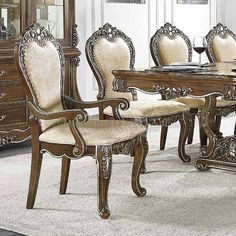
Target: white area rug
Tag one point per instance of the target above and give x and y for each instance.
(179, 201)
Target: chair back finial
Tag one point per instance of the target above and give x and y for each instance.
(160, 45)
(106, 50)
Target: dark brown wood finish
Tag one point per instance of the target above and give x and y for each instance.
(103, 154)
(172, 32)
(12, 94)
(220, 152)
(110, 33)
(221, 31)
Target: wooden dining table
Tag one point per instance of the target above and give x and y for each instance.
(218, 80)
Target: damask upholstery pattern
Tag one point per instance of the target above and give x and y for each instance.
(104, 52)
(94, 132)
(44, 80)
(173, 50)
(141, 109)
(224, 49)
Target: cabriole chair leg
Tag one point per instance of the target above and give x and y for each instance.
(138, 160)
(184, 128)
(164, 131)
(65, 169)
(36, 163)
(104, 161)
(145, 152)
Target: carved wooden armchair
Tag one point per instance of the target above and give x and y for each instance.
(108, 49)
(170, 45)
(68, 133)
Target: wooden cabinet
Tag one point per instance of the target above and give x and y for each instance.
(58, 16)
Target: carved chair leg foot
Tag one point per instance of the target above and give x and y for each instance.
(201, 165)
(138, 160)
(104, 161)
(65, 169)
(145, 152)
(184, 128)
(36, 164)
(164, 131)
(191, 129)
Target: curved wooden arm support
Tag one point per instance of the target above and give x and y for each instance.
(73, 116)
(77, 114)
(115, 103)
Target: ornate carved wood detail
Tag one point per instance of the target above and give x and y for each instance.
(221, 31)
(75, 36)
(164, 120)
(225, 111)
(172, 92)
(109, 33)
(125, 148)
(106, 160)
(230, 92)
(13, 136)
(120, 85)
(226, 149)
(7, 140)
(171, 32)
(41, 36)
(76, 61)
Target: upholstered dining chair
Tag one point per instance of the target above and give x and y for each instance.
(170, 45)
(68, 133)
(108, 49)
(221, 44)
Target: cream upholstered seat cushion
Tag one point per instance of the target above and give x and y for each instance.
(110, 56)
(94, 132)
(44, 71)
(224, 49)
(142, 109)
(173, 50)
(191, 101)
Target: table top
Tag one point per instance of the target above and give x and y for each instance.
(215, 79)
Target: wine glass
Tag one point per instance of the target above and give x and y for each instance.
(199, 46)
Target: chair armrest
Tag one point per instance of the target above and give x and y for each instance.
(121, 103)
(73, 114)
(115, 103)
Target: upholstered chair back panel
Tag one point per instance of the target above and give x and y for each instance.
(224, 49)
(173, 50)
(44, 73)
(111, 55)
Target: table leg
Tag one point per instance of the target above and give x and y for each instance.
(220, 152)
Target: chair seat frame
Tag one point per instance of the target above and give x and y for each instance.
(73, 112)
(111, 33)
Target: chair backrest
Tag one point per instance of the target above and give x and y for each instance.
(40, 62)
(106, 50)
(169, 45)
(221, 44)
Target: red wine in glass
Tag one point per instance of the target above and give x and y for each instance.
(199, 46)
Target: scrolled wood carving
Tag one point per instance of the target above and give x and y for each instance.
(106, 160)
(7, 140)
(226, 149)
(75, 36)
(230, 92)
(172, 92)
(164, 120)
